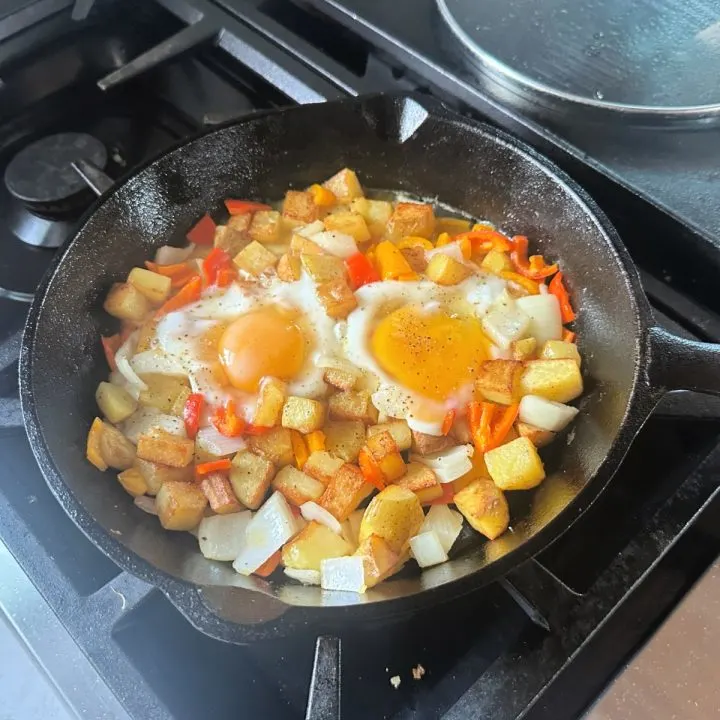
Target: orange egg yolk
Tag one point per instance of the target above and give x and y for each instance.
(259, 344)
(432, 354)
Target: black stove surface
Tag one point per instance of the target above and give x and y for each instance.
(542, 644)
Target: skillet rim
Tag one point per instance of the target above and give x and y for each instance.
(186, 595)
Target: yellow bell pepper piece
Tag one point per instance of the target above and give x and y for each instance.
(530, 285)
(391, 263)
(414, 241)
(315, 441)
(299, 449)
(322, 196)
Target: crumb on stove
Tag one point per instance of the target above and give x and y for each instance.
(395, 681)
(418, 672)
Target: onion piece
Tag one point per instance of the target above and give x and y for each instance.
(506, 321)
(427, 549)
(222, 537)
(545, 317)
(125, 369)
(215, 443)
(307, 231)
(452, 250)
(428, 427)
(312, 511)
(146, 504)
(343, 573)
(335, 243)
(145, 419)
(169, 255)
(546, 414)
(306, 577)
(450, 464)
(445, 523)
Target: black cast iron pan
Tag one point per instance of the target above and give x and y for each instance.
(403, 143)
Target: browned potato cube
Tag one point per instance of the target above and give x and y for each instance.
(133, 482)
(418, 477)
(341, 379)
(313, 544)
(126, 302)
(255, 259)
(348, 223)
(275, 446)
(427, 495)
(229, 239)
(385, 452)
(484, 506)
(162, 390)
(416, 258)
(321, 465)
(344, 438)
(296, 486)
(240, 223)
(445, 270)
(395, 515)
(115, 403)
(346, 490)
(270, 402)
(323, 268)
(411, 219)
(523, 349)
(558, 380)
(162, 447)
(289, 268)
(376, 214)
(353, 405)
(155, 474)
(424, 444)
(539, 438)
(108, 447)
(399, 430)
(498, 381)
(379, 559)
(300, 245)
(515, 465)
(345, 186)
(337, 298)
(220, 494)
(180, 506)
(496, 262)
(265, 227)
(299, 207)
(559, 350)
(250, 478)
(303, 414)
(155, 287)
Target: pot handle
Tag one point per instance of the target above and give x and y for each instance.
(324, 698)
(680, 364)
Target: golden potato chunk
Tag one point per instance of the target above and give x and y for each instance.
(352, 405)
(250, 477)
(115, 403)
(496, 262)
(348, 223)
(321, 465)
(275, 446)
(337, 298)
(344, 185)
(379, 559)
(180, 506)
(341, 379)
(265, 227)
(559, 350)
(241, 223)
(424, 444)
(162, 390)
(427, 495)
(270, 402)
(345, 491)
(394, 514)
(523, 349)
(300, 245)
(255, 259)
(289, 268)
(323, 268)
(411, 219)
(558, 380)
(160, 446)
(385, 453)
(416, 258)
(498, 381)
(399, 430)
(484, 506)
(133, 482)
(376, 214)
(445, 270)
(155, 287)
(515, 465)
(344, 438)
(296, 486)
(126, 302)
(303, 414)
(418, 477)
(232, 240)
(217, 489)
(313, 544)
(156, 474)
(299, 207)
(108, 447)
(539, 438)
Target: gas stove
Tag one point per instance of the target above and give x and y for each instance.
(115, 83)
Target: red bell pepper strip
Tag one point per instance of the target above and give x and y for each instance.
(111, 344)
(448, 421)
(243, 207)
(361, 271)
(213, 466)
(502, 428)
(216, 261)
(370, 470)
(485, 239)
(179, 273)
(270, 565)
(189, 293)
(227, 421)
(203, 232)
(535, 268)
(225, 276)
(191, 413)
(558, 289)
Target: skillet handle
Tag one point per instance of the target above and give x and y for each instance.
(324, 698)
(680, 364)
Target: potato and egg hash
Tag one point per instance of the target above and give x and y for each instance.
(299, 385)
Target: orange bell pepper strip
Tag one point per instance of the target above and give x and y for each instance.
(558, 289)
(214, 263)
(225, 276)
(227, 422)
(535, 268)
(371, 470)
(243, 207)
(315, 441)
(568, 336)
(251, 429)
(524, 282)
(448, 421)
(269, 566)
(502, 427)
(322, 197)
(189, 293)
(111, 344)
(482, 435)
(300, 450)
(203, 232)
(192, 410)
(179, 273)
(213, 466)
(361, 271)
(484, 239)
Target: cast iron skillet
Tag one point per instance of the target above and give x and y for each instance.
(401, 143)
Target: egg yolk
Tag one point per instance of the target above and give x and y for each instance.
(432, 354)
(259, 344)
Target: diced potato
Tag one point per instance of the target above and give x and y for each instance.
(179, 405)
(345, 491)
(155, 474)
(424, 444)
(265, 227)
(296, 486)
(559, 350)
(524, 349)
(341, 379)
(496, 262)
(418, 477)
(255, 259)
(232, 240)
(451, 225)
(180, 506)
(445, 270)
(115, 403)
(505, 322)
(376, 214)
(337, 298)
(155, 287)
(399, 430)
(429, 494)
(289, 268)
(352, 405)
(411, 219)
(515, 465)
(344, 438)
(126, 302)
(146, 335)
(321, 465)
(160, 446)
(323, 268)
(133, 482)
(379, 559)
(348, 223)
(416, 259)
(162, 390)
(219, 492)
(275, 446)
(484, 506)
(299, 207)
(539, 438)
(385, 452)
(250, 477)
(558, 380)
(498, 381)
(241, 223)
(312, 545)
(395, 514)
(108, 447)
(303, 414)
(301, 245)
(270, 402)
(345, 186)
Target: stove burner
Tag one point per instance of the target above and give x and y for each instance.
(42, 177)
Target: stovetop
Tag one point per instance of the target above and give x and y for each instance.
(541, 644)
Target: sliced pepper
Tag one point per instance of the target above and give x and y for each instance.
(179, 273)
(269, 566)
(299, 449)
(535, 268)
(225, 276)
(244, 207)
(524, 282)
(558, 289)
(448, 421)
(192, 410)
(484, 239)
(503, 425)
(217, 261)
(315, 441)
(111, 344)
(213, 466)
(189, 293)
(370, 469)
(482, 435)
(227, 421)
(392, 263)
(361, 271)
(203, 232)
(322, 197)
(568, 336)
(415, 241)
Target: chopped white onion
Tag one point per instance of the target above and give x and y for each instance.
(125, 369)
(313, 511)
(215, 443)
(450, 464)
(545, 317)
(498, 353)
(335, 243)
(169, 255)
(505, 321)
(307, 231)
(427, 549)
(156, 361)
(145, 419)
(306, 577)
(445, 523)
(222, 537)
(428, 427)
(452, 250)
(343, 573)
(146, 504)
(546, 414)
